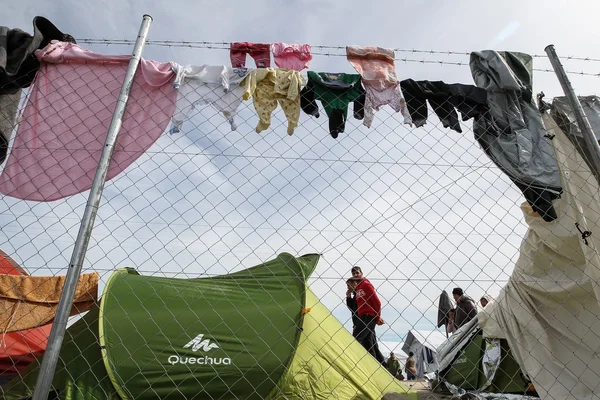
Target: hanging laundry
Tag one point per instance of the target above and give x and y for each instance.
(260, 52)
(215, 85)
(445, 99)
(512, 132)
(336, 91)
(376, 67)
(18, 65)
(65, 122)
(9, 106)
(499, 146)
(269, 86)
(27, 302)
(291, 56)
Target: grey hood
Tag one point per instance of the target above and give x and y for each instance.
(494, 71)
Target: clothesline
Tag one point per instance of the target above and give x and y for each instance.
(225, 46)
(209, 44)
(57, 67)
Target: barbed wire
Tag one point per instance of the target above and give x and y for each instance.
(225, 46)
(398, 50)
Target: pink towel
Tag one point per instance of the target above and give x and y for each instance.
(65, 122)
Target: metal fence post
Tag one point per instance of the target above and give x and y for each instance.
(59, 325)
(582, 121)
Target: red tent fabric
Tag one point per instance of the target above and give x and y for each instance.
(9, 266)
(19, 349)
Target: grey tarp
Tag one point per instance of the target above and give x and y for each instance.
(444, 307)
(448, 350)
(512, 134)
(423, 344)
(562, 113)
(549, 311)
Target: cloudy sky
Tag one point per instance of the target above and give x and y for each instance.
(421, 210)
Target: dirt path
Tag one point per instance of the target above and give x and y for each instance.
(425, 393)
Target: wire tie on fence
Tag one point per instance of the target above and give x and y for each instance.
(584, 234)
(549, 136)
(305, 311)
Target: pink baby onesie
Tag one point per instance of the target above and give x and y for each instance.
(260, 52)
(376, 67)
(291, 56)
(65, 122)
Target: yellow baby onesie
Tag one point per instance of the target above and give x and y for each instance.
(269, 86)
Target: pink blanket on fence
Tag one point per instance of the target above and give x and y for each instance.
(65, 122)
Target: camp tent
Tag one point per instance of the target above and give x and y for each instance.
(468, 362)
(20, 348)
(423, 344)
(259, 333)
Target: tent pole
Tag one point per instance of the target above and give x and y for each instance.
(57, 333)
(582, 121)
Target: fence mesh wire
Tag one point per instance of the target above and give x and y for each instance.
(420, 210)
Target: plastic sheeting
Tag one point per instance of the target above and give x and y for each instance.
(549, 311)
(424, 345)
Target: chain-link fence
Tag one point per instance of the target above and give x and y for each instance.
(166, 306)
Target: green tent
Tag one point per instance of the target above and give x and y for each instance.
(467, 370)
(465, 366)
(259, 333)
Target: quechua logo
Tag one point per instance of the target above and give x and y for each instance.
(200, 343)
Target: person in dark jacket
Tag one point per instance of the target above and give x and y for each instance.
(353, 307)
(369, 314)
(466, 309)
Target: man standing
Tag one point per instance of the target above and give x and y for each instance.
(411, 367)
(369, 313)
(353, 307)
(466, 309)
(393, 365)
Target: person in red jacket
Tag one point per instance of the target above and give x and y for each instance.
(369, 313)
